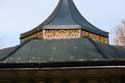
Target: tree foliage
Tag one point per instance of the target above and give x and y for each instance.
(119, 38)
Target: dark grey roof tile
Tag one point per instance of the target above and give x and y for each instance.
(61, 50)
(55, 50)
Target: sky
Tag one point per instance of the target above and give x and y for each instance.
(19, 16)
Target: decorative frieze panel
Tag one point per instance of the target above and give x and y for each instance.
(35, 35)
(95, 37)
(61, 34)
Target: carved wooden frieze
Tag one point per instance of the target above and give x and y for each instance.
(95, 37)
(60, 34)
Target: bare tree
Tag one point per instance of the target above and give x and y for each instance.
(119, 38)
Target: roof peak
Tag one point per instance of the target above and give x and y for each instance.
(66, 13)
(62, 15)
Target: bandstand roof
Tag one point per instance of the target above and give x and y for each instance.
(74, 52)
(67, 14)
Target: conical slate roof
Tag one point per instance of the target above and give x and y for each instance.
(66, 13)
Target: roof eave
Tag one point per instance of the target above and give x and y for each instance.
(84, 64)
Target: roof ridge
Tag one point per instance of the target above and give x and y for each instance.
(96, 46)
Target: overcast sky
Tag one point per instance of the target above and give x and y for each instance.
(18, 16)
